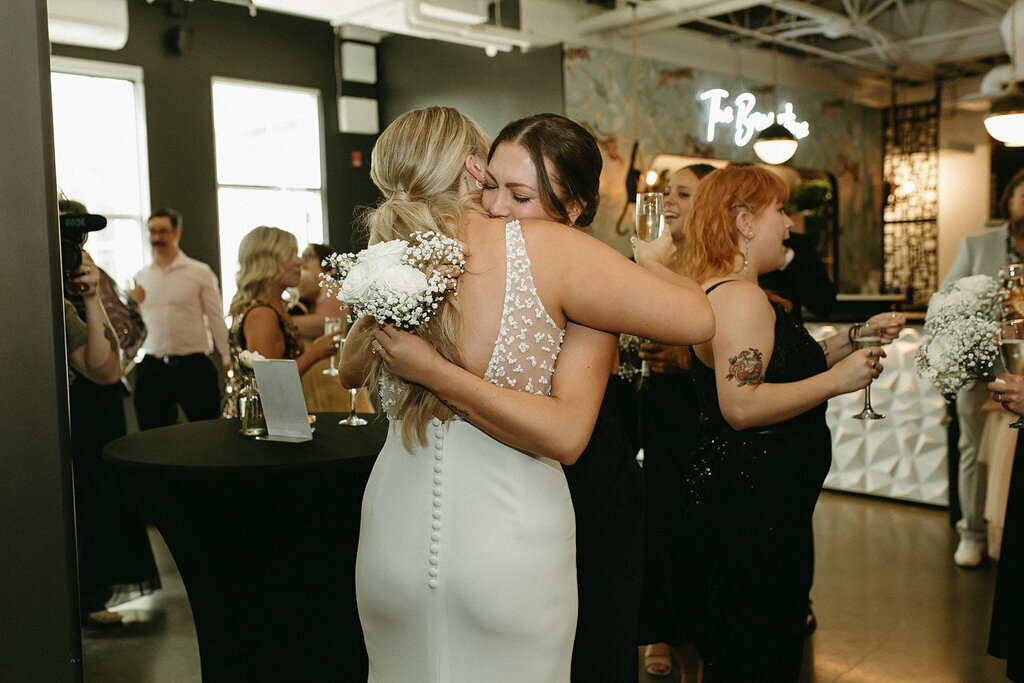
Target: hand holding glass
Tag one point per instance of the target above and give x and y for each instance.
(866, 335)
(650, 215)
(352, 419)
(1011, 350)
(333, 327)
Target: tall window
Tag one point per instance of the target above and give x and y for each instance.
(99, 136)
(269, 165)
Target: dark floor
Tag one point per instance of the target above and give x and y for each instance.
(891, 606)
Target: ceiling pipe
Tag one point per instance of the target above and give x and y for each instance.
(651, 11)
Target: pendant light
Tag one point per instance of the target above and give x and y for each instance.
(775, 144)
(1005, 118)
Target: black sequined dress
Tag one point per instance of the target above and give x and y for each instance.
(749, 500)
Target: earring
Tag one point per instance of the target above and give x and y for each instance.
(746, 254)
(479, 185)
(750, 235)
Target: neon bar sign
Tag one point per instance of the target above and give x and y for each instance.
(748, 121)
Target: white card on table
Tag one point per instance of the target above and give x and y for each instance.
(283, 403)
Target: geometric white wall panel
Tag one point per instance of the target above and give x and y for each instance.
(902, 456)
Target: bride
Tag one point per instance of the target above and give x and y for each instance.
(466, 562)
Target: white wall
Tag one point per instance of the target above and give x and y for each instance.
(964, 180)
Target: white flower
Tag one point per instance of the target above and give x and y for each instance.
(938, 349)
(245, 358)
(359, 280)
(403, 280)
(390, 252)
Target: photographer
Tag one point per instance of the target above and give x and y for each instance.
(93, 351)
(115, 562)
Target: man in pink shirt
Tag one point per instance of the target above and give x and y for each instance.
(181, 305)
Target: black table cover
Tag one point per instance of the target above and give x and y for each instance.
(264, 535)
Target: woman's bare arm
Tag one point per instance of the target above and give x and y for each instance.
(558, 426)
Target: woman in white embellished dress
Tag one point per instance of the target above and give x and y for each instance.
(466, 562)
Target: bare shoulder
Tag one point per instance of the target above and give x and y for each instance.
(733, 296)
(261, 315)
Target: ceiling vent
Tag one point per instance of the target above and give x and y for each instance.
(90, 23)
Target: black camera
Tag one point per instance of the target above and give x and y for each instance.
(73, 227)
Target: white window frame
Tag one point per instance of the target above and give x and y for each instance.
(225, 276)
(127, 72)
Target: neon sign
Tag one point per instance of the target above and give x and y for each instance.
(747, 121)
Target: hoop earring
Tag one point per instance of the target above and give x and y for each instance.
(479, 185)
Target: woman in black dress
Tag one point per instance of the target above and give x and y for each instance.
(668, 428)
(765, 449)
(548, 166)
(1006, 638)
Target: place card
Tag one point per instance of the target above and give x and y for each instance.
(283, 403)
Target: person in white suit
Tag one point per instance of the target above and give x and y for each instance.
(983, 254)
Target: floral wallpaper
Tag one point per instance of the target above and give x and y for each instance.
(845, 140)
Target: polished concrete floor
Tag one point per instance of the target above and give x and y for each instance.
(891, 606)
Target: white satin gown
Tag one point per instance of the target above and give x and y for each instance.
(466, 568)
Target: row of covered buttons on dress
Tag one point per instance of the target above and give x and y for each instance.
(435, 534)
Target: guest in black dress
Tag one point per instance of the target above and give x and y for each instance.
(115, 561)
(765, 449)
(1006, 638)
(668, 428)
(548, 166)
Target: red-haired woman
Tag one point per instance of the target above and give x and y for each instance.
(765, 449)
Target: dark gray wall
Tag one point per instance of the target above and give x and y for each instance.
(226, 41)
(38, 593)
(493, 90)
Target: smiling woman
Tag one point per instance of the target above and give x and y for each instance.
(269, 263)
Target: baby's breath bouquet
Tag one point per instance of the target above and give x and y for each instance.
(396, 282)
(960, 333)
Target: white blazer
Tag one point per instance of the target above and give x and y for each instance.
(982, 254)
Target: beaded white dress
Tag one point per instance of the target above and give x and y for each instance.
(466, 568)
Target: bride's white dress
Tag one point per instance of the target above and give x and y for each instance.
(466, 569)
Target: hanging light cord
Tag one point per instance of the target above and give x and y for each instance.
(775, 65)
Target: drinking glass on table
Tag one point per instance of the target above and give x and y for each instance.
(650, 215)
(352, 419)
(1011, 351)
(333, 327)
(866, 335)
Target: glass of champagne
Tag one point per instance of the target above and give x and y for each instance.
(1011, 350)
(333, 327)
(866, 335)
(650, 215)
(352, 419)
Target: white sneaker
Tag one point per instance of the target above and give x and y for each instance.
(969, 553)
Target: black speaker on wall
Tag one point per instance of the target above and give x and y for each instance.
(178, 39)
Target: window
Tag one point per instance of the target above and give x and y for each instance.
(269, 165)
(99, 136)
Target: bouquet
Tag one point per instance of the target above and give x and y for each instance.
(960, 333)
(396, 282)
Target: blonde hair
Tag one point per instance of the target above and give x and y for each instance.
(710, 238)
(260, 256)
(418, 163)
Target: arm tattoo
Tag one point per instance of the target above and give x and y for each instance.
(463, 413)
(746, 368)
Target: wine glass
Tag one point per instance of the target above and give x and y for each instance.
(352, 419)
(1011, 350)
(650, 215)
(333, 327)
(866, 335)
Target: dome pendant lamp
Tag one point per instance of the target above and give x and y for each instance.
(775, 144)
(1005, 118)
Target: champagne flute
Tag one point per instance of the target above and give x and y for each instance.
(1011, 350)
(866, 335)
(352, 419)
(332, 327)
(650, 215)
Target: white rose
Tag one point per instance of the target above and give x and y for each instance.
(403, 280)
(359, 281)
(975, 284)
(389, 252)
(935, 304)
(245, 358)
(937, 350)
